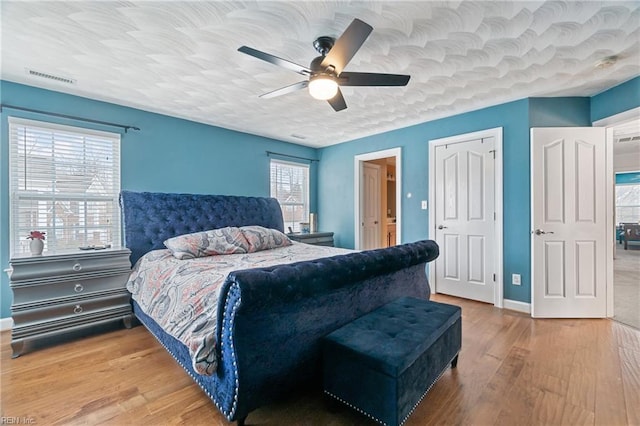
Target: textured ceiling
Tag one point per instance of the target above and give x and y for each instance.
(181, 58)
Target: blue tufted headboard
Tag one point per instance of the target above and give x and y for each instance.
(150, 218)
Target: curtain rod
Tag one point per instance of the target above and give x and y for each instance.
(71, 117)
(291, 156)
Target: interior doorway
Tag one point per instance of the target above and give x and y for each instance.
(377, 203)
(623, 136)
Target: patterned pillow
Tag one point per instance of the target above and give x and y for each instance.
(260, 238)
(229, 240)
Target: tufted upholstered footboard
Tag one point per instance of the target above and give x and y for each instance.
(270, 320)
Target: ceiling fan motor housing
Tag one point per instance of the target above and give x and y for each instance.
(324, 44)
(317, 68)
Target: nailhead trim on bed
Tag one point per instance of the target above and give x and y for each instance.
(228, 414)
(187, 371)
(233, 353)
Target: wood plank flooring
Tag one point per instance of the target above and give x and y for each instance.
(513, 370)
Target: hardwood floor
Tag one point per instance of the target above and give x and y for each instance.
(513, 370)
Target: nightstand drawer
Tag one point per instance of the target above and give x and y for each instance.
(32, 268)
(319, 241)
(315, 238)
(27, 314)
(49, 290)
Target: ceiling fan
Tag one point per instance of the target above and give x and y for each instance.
(325, 71)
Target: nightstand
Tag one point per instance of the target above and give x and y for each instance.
(67, 291)
(315, 238)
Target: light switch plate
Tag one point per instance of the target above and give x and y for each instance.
(424, 204)
(515, 279)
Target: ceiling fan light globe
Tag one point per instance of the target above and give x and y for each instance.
(323, 87)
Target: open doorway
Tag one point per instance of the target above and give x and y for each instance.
(623, 136)
(378, 178)
(626, 263)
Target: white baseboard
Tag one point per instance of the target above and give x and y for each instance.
(515, 305)
(6, 324)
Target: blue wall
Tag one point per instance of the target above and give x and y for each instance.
(166, 155)
(175, 155)
(618, 99)
(337, 176)
(516, 118)
(559, 112)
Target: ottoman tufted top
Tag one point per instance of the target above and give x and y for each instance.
(393, 336)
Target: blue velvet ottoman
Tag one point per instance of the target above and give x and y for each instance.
(383, 363)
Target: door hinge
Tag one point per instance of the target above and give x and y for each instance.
(494, 278)
(494, 215)
(493, 151)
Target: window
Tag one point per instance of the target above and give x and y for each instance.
(290, 186)
(628, 203)
(64, 181)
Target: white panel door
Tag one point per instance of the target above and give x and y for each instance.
(465, 225)
(568, 219)
(370, 207)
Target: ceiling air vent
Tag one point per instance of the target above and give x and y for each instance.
(50, 77)
(629, 139)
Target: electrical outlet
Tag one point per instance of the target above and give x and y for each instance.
(424, 204)
(515, 279)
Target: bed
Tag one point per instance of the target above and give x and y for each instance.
(268, 319)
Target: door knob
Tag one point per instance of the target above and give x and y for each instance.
(441, 227)
(541, 232)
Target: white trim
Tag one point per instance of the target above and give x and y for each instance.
(6, 324)
(357, 172)
(610, 122)
(610, 189)
(516, 305)
(496, 133)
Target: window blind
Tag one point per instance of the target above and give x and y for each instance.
(290, 186)
(64, 181)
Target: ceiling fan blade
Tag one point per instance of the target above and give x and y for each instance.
(284, 90)
(347, 45)
(275, 60)
(372, 79)
(337, 102)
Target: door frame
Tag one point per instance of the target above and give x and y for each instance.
(377, 225)
(611, 122)
(496, 133)
(357, 171)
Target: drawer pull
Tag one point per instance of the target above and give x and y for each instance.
(78, 288)
(77, 267)
(77, 309)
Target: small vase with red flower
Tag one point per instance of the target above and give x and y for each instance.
(36, 245)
